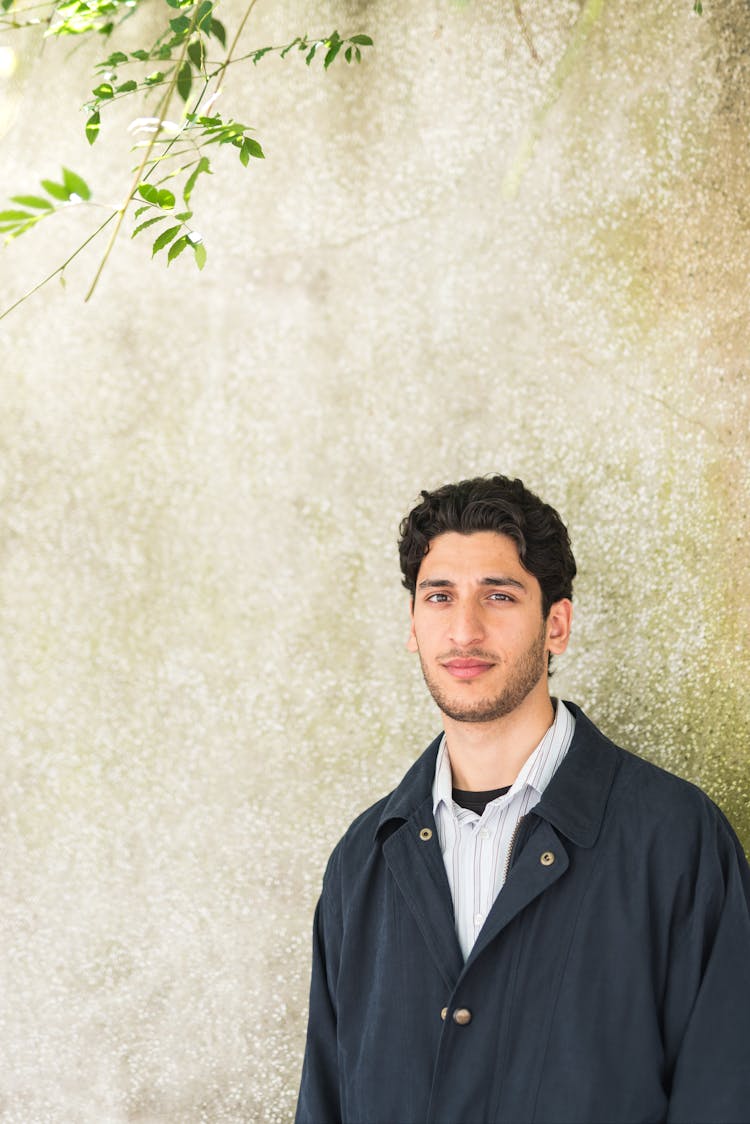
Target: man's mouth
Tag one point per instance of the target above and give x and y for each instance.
(466, 668)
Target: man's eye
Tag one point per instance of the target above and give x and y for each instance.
(500, 597)
(438, 597)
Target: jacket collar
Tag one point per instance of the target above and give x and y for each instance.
(414, 788)
(574, 801)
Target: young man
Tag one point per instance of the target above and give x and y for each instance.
(535, 925)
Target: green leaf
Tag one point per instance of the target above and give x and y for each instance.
(331, 53)
(152, 79)
(184, 216)
(148, 222)
(180, 24)
(230, 133)
(177, 248)
(7, 4)
(76, 185)
(56, 190)
(200, 254)
(92, 127)
(289, 47)
(203, 16)
(126, 87)
(218, 31)
(164, 239)
(148, 192)
(311, 53)
(14, 217)
(140, 210)
(32, 201)
(203, 165)
(185, 80)
(258, 55)
(348, 54)
(141, 55)
(250, 148)
(113, 60)
(196, 53)
(364, 40)
(15, 231)
(698, 7)
(165, 199)
(104, 90)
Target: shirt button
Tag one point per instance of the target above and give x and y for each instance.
(462, 1016)
(478, 918)
(484, 833)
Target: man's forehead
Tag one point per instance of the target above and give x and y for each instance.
(480, 551)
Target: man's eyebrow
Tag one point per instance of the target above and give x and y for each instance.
(445, 583)
(504, 581)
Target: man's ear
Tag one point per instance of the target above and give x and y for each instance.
(559, 621)
(411, 643)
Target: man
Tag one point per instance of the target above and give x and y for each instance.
(535, 925)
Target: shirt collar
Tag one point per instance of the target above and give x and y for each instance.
(537, 770)
(574, 801)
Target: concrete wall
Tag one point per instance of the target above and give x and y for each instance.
(455, 260)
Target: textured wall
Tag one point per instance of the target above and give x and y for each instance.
(454, 260)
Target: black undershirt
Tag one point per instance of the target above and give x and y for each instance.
(477, 801)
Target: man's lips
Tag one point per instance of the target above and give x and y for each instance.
(466, 669)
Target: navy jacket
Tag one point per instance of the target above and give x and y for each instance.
(610, 982)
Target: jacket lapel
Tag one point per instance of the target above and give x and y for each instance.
(572, 806)
(417, 866)
(541, 862)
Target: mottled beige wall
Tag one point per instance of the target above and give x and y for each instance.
(203, 674)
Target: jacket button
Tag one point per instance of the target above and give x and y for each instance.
(547, 858)
(444, 1014)
(425, 834)
(462, 1016)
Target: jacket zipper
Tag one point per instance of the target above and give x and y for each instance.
(513, 839)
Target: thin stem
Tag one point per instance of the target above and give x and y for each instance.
(60, 268)
(208, 79)
(235, 41)
(160, 115)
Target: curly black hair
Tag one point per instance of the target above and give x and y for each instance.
(493, 503)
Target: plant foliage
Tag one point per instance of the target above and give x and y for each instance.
(175, 82)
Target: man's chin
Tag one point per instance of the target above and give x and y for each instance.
(479, 710)
(488, 712)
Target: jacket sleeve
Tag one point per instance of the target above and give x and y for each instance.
(711, 1077)
(319, 1101)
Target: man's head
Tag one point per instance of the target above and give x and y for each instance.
(490, 571)
(493, 503)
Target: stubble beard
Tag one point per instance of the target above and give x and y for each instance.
(522, 678)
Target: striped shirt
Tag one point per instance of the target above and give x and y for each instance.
(476, 848)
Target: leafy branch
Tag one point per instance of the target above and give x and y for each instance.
(71, 189)
(182, 63)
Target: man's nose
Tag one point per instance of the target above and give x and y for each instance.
(466, 626)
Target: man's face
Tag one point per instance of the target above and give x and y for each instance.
(477, 625)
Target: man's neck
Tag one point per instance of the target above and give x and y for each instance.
(487, 755)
